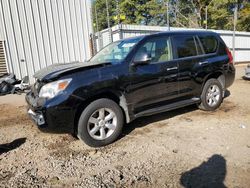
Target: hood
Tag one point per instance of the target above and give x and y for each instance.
(55, 71)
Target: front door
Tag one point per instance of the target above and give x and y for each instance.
(155, 82)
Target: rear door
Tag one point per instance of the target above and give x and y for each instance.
(213, 58)
(188, 54)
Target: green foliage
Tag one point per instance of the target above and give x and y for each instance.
(182, 13)
(221, 14)
(244, 17)
(145, 12)
(99, 7)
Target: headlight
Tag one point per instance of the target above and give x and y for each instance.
(52, 89)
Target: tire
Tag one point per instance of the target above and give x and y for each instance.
(211, 97)
(100, 123)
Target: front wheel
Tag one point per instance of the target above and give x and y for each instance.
(211, 97)
(100, 123)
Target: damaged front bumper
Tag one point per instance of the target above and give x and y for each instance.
(35, 111)
(55, 115)
(38, 118)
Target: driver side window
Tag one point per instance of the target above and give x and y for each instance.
(158, 49)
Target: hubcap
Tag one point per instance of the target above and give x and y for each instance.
(213, 95)
(102, 124)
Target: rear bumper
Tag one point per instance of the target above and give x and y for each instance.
(229, 75)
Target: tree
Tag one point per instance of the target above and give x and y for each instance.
(100, 6)
(183, 13)
(145, 12)
(221, 14)
(244, 17)
(151, 12)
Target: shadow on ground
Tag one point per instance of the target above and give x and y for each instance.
(211, 173)
(4, 148)
(141, 122)
(144, 121)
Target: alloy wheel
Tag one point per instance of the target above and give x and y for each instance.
(213, 95)
(102, 124)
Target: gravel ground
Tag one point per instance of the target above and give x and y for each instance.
(182, 148)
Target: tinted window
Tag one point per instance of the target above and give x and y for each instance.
(198, 46)
(158, 49)
(209, 43)
(222, 49)
(185, 46)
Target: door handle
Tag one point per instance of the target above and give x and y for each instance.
(172, 68)
(203, 63)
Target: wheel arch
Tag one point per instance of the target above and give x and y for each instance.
(116, 96)
(216, 75)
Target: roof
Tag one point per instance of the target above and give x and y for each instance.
(170, 33)
(185, 32)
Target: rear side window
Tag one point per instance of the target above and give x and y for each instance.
(185, 46)
(209, 43)
(222, 49)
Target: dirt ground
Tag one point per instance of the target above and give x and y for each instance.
(182, 148)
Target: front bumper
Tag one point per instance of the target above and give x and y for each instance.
(54, 116)
(35, 109)
(38, 118)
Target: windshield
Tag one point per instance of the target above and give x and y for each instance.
(115, 52)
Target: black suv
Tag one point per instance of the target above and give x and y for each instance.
(131, 78)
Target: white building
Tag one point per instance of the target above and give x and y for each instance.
(38, 33)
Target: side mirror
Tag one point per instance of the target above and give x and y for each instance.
(142, 59)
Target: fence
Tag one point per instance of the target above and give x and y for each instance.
(242, 39)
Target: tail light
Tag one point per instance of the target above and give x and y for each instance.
(230, 56)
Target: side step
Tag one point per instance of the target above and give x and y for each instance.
(168, 107)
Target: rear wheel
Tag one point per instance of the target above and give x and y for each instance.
(211, 97)
(100, 123)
